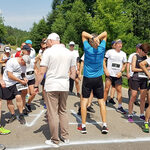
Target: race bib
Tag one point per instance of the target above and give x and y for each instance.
(21, 87)
(115, 66)
(142, 75)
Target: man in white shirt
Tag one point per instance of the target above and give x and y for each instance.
(14, 78)
(57, 61)
(75, 54)
(116, 63)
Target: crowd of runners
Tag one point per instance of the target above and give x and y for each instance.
(56, 68)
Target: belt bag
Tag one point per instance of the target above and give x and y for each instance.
(30, 73)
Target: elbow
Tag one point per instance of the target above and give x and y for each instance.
(83, 33)
(141, 65)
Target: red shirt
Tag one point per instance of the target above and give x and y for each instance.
(18, 54)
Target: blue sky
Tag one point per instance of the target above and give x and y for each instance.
(23, 13)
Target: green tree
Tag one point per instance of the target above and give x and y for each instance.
(140, 14)
(2, 30)
(38, 32)
(111, 16)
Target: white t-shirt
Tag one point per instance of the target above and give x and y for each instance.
(148, 60)
(30, 70)
(82, 58)
(75, 55)
(115, 61)
(130, 61)
(13, 66)
(58, 61)
(32, 53)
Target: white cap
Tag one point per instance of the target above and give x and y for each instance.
(18, 49)
(7, 49)
(27, 59)
(71, 43)
(53, 36)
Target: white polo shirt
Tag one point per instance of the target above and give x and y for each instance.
(115, 61)
(58, 61)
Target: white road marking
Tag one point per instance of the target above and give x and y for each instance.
(35, 119)
(108, 141)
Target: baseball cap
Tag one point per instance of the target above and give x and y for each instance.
(18, 49)
(27, 59)
(7, 49)
(53, 36)
(28, 42)
(138, 45)
(71, 43)
(118, 41)
(26, 47)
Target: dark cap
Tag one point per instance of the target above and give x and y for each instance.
(26, 47)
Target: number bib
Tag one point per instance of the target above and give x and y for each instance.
(142, 75)
(21, 87)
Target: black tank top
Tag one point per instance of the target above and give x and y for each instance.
(138, 60)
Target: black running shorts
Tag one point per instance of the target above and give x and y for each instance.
(9, 93)
(95, 84)
(31, 82)
(136, 84)
(115, 81)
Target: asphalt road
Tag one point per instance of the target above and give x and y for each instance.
(122, 135)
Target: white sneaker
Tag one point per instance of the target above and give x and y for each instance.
(64, 142)
(51, 143)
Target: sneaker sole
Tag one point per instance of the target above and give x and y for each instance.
(121, 112)
(5, 133)
(104, 131)
(84, 132)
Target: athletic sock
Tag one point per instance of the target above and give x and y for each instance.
(83, 125)
(141, 114)
(119, 105)
(104, 124)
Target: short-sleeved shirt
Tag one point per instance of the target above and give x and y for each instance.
(30, 70)
(130, 61)
(75, 54)
(148, 61)
(13, 66)
(115, 61)
(93, 60)
(58, 61)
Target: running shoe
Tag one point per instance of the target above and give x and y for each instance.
(21, 119)
(71, 93)
(4, 131)
(90, 109)
(64, 142)
(145, 128)
(112, 101)
(28, 107)
(142, 117)
(104, 130)
(51, 143)
(2, 147)
(25, 112)
(121, 110)
(130, 119)
(12, 118)
(82, 130)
